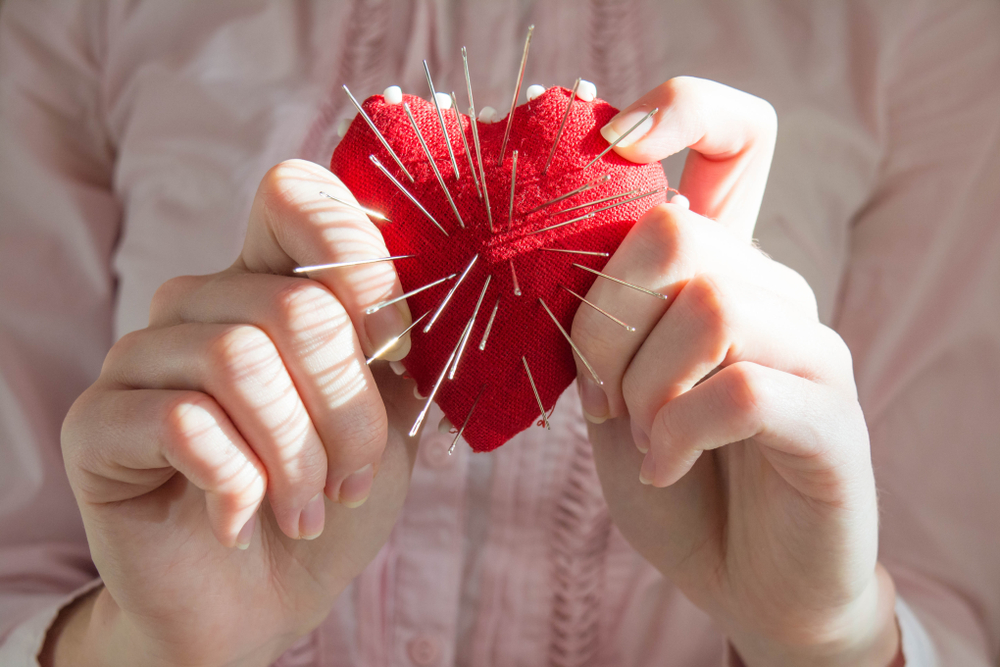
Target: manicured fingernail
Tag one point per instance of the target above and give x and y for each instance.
(384, 325)
(246, 532)
(648, 471)
(313, 518)
(621, 123)
(355, 488)
(640, 438)
(594, 401)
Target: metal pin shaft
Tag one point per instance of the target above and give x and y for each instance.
(412, 199)
(468, 333)
(379, 306)
(391, 343)
(434, 391)
(597, 201)
(465, 143)
(586, 216)
(545, 417)
(467, 418)
(451, 292)
(341, 265)
(430, 158)
(583, 188)
(513, 277)
(616, 141)
(621, 282)
(475, 137)
(517, 94)
(562, 126)
(571, 343)
(578, 252)
(489, 325)
(370, 213)
(444, 130)
(371, 124)
(513, 182)
(601, 310)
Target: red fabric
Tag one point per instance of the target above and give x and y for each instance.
(522, 327)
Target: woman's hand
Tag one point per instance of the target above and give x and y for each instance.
(733, 405)
(220, 460)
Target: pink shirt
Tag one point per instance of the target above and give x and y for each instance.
(132, 138)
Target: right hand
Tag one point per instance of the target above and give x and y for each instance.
(225, 423)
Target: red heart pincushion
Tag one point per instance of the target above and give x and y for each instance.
(507, 404)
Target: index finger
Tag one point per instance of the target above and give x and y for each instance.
(731, 135)
(294, 224)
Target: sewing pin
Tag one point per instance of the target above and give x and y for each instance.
(517, 94)
(616, 141)
(598, 201)
(513, 181)
(430, 158)
(378, 134)
(437, 106)
(395, 339)
(513, 276)
(583, 188)
(465, 143)
(545, 417)
(475, 137)
(601, 310)
(621, 282)
(468, 332)
(562, 126)
(489, 325)
(434, 391)
(341, 265)
(399, 185)
(578, 252)
(467, 418)
(370, 213)
(451, 292)
(571, 343)
(586, 216)
(379, 306)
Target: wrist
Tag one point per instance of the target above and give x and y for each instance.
(866, 636)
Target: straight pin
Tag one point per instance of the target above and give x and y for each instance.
(370, 213)
(616, 141)
(371, 124)
(517, 94)
(379, 306)
(597, 201)
(601, 310)
(465, 143)
(430, 158)
(513, 275)
(621, 282)
(399, 185)
(562, 224)
(545, 417)
(489, 325)
(434, 391)
(467, 418)
(392, 341)
(562, 126)
(513, 181)
(648, 193)
(341, 265)
(450, 293)
(578, 252)
(475, 137)
(444, 130)
(571, 343)
(468, 332)
(583, 188)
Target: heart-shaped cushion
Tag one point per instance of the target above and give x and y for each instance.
(522, 328)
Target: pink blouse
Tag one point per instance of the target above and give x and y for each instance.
(133, 135)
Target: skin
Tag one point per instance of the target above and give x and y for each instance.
(238, 454)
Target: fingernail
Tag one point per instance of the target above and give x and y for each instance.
(397, 367)
(312, 519)
(594, 401)
(355, 488)
(621, 123)
(648, 471)
(640, 438)
(384, 325)
(445, 425)
(246, 532)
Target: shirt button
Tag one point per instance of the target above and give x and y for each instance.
(435, 453)
(424, 650)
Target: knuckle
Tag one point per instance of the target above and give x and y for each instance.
(743, 392)
(168, 294)
(239, 351)
(187, 417)
(124, 349)
(301, 306)
(664, 238)
(361, 437)
(709, 304)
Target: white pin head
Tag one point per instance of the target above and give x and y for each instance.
(342, 126)
(587, 91)
(535, 91)
(393, 95)
(443, 100)
(487, 115)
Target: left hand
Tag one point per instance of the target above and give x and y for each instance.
(734, 405)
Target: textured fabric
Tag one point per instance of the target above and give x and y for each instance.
(133, 135)
(522, 327)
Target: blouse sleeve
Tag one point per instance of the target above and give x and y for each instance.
(920, 309)
(58, 226)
